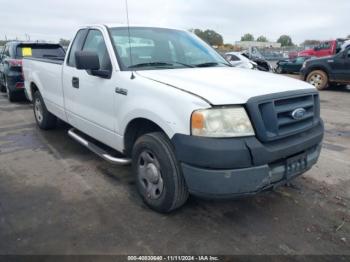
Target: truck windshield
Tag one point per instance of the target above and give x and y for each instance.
(158, 48)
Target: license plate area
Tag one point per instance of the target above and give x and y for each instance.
(296, 164)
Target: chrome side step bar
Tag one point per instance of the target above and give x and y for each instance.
(97, 150)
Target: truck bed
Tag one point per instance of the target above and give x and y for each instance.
(53, 60)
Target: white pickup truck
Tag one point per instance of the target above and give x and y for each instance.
(189, 123)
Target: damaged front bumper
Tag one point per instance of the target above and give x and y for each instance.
(228, 168)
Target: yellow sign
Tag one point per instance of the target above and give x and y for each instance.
(26, 51)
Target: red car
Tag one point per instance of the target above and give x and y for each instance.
(326, 48)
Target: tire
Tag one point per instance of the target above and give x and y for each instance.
(2, 87)
(279, 70)
(318, 79)
(43, 117)
(11, 96)
(159, 178)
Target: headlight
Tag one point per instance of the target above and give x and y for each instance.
(221, 122)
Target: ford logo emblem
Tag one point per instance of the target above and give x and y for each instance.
(298, 113)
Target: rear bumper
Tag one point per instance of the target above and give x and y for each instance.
(15, 82)
(243, 166)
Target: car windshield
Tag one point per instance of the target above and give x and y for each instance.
(158, 48)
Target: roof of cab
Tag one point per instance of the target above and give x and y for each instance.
(111, 25)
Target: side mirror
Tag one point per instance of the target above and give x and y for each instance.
(87, 60)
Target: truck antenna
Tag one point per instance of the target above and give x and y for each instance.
(130, 52)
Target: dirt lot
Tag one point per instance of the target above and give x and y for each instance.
(58, 198)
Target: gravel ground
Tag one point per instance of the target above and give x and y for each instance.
(56, 197)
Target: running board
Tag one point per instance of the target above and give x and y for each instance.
(97, 150)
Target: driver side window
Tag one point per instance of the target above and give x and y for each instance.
(95, 43)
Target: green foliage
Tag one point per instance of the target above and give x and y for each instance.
(247, 37)
(209, 36)
(285, 40)
(310, 43)
(262, 39)
(64, 42)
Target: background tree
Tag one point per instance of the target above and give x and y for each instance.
(348, 36)
(64, 42)
(209, 36)
(247, 37)
(285, 40)
(262, 39)
(310, 42)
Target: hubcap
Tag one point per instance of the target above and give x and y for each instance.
(38, 109)
(316, 80)
(149, 175)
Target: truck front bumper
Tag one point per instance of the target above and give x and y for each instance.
(236, 167)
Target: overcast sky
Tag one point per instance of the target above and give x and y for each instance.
(301, 19)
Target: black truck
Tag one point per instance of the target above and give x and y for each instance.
(328, 71)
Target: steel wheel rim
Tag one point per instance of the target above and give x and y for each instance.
(149, 175)
(38, 109)
(316, 80)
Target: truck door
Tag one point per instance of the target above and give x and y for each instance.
(346, 66)
(324, 49)
(90, 99)
(340, 66)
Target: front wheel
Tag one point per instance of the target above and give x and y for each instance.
(158, 174)
(279, 70)
(43, 117)
(318, 79)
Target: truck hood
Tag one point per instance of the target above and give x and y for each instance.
(224, 85)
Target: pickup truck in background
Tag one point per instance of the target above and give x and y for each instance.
(328, 71)
(11, 75)
(326, 48)
(188, 122)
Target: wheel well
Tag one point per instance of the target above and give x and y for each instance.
(135, 129)
(317, 68)
(33, 88)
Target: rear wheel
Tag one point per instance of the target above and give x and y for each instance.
(43, 117)
(2, 86)
(318, 79)
(11, 96)
(158, 174)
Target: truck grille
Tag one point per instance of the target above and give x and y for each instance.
(272, 116)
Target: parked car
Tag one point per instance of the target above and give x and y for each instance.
(326, 48)
(11, 75)
(188, 121)
(253, 54)
(238, 60)
(328, 71)
(290, 66)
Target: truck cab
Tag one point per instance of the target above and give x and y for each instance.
(326, 48)
(188, 122)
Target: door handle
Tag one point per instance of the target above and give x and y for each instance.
(75, 82)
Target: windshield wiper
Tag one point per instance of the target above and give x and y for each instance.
(209, 64)
(158, 64)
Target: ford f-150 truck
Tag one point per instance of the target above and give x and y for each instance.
(188, 121)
